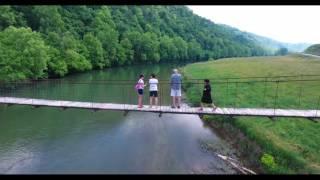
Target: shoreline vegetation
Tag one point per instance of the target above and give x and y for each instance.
(283, 145)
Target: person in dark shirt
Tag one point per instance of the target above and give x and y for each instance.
(206, 96)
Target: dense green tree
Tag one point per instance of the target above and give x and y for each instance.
(80, 38)
(282, 51)
(168, 50)
(150, 47)
(9, 17)
(135, 38)
(121, 55)
(182, 48)
(75, 61)
(194, 50)
(77, 19)
(23, 54)
(49, 19)
(104, 30)
(128, 51)
(73, 54)
(95, 51)
(57, 66)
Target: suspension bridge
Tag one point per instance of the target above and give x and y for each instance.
(36, 94)
(162, 109)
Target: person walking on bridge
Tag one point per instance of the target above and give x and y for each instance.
(175, 83)
(153, 83)
(206, 96)
(139, 87)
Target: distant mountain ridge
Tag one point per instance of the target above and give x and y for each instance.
(274, 44)
(268, 43)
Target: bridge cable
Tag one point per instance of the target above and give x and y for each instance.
(227, 98)
(160, 98)
(236, 99)
(276, 98)
(300, 91)
(318, 106)
(264, 93)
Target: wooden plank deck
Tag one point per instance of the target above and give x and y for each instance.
(163, 109)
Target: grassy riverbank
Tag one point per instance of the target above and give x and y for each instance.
(288, 145)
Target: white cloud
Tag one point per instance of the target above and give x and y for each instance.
(292, 24)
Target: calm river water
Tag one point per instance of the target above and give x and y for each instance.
(51, 140)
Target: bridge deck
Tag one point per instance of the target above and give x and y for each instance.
(163, 109)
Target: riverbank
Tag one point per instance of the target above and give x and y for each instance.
(286, 145)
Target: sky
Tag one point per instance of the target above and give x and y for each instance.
(291, 24)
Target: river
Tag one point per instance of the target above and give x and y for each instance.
(51, 140)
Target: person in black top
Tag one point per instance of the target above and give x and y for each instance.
(206, 96)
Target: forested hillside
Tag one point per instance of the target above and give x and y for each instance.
(52, 41)
(314, 49)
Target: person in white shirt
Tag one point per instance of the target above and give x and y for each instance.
(153, 90)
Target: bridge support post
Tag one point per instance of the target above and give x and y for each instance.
(63, 108)
(160, 114)
(95, 110)
(125, 113)
(272, 118)
(35, 106)
(8, 105)
(313, 119)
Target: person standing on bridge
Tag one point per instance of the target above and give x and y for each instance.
(175, 83)
(139, 87)
(206, 96)
(153, 83)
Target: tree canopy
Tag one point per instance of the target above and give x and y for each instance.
(52, 41)
(282, 51)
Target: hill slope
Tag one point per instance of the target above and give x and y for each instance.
(292, 145)
(314, 50)
(268, 44)
(80, 38)
(274, 45)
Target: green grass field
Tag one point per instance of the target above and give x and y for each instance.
(293, 143)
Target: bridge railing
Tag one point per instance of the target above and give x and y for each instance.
(286, 92)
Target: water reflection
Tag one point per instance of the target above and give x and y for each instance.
(50, 140)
